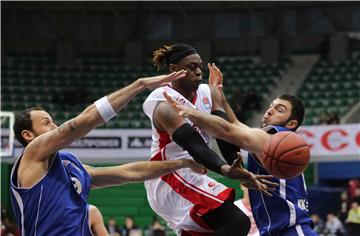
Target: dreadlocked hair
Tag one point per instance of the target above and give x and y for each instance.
(159, 56)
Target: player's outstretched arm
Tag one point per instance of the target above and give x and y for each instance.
(244, 137)
(99, 112)
(138, 171)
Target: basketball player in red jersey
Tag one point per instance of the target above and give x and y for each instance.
(193, 204)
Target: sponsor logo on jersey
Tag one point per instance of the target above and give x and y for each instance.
(181, 100)
(206, 103)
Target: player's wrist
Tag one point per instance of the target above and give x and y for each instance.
(140, 83)
(186, 163)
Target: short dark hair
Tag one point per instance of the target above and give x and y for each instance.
(23, 122)
(297, 110)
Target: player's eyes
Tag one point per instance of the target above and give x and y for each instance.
(194, 66)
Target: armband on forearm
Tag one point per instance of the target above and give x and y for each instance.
(105, 109)
(187, 137)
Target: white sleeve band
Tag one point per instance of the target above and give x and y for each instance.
(105, 109)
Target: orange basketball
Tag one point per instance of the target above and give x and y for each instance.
(285, 155)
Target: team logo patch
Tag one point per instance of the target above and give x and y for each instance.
(206, 103)
(77, 185)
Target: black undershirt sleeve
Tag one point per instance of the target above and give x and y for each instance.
(228, 150)
(187, 137)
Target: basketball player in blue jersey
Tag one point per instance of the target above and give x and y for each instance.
(49, 187)
(286, 212)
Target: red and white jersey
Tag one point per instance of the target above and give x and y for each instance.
(182, 197)
(247, 210)
(202, 102)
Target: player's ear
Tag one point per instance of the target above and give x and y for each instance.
(27, 135)
(291, 124)
(173, 68)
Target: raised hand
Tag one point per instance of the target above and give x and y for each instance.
(162, 80)
(250, 180)
(215, 76)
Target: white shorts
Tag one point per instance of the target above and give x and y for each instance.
(182, 197)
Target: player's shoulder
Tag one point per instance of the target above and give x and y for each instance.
(68, 156)
(205, 88)
(156, 93)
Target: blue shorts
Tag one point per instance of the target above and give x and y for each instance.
(299, 230)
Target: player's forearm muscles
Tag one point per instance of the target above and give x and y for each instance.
(82, 124)
(120, 98)
(213, 124)
(243, 136)
(134, 172)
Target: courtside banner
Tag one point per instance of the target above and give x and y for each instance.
(105, 145)
(327, 142)
(332, 142)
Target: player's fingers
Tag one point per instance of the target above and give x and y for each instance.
(266, 192)
(219, 73)
(265, 176)
(170, 100)
(269, 182)
(209, 67)
(217, 70)
(177, 75)
(211, 71)
(240, 158)
(238, 161)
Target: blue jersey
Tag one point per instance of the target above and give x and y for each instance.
(57, 204)
(288, 207)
